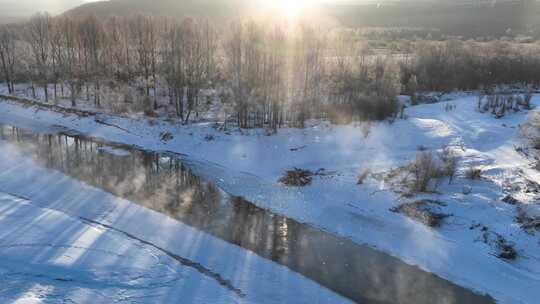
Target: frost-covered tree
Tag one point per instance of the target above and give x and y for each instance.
(38, 36)
(8, 39)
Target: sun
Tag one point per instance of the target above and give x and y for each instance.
(291, 9)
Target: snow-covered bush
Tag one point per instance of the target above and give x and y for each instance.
(362, 177)
(297, 177)
(166, 136)
(499, 104)
(449, 161)
(531, 131)
(528, 219)
(473, 173)
(423, 174)
(527, 99)
(426, 171)
(366, 129)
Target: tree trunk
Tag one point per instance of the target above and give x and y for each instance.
(73, 89)
(6, 73)
(46, 90)
(97, 95)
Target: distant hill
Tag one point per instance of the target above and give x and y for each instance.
(10, 19)
(172, 8)
(468, 18)
(464, 18)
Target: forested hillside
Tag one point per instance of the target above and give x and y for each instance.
(170, 8)
(462, 18)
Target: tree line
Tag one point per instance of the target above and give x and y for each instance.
(269, 74)
(468, 65)
(266, 74)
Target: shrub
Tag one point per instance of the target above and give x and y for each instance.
(166, 136)
(425, 170)
(366, 129)
(146, 104)
(506, 250)
(422, 212)
(450, 162)
(526, 221)
(421, 148)
(340, 114)
(536, 143)
(297, 177)
(473, 173)
(363, 107)
(362, 177)
(527, 98)
(509, 199)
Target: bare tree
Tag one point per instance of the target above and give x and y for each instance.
(173, 65)
(57, 54)
(7, 55)
(92, 41)
(70, 67)
(38, 36)
(143, 30)
(119, 49)
(194, 67)
(276, 82)
(234, 49)
(309, 66)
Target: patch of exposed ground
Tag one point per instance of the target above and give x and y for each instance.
(423, 211)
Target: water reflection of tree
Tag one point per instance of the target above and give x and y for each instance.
(158, 182)
(163, 183)
(260, 231)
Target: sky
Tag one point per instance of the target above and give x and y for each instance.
(28, 7)
(17, 8)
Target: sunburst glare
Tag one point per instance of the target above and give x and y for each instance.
(292, 10)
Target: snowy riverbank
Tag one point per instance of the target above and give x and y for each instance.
(62, 241)
(249, 163)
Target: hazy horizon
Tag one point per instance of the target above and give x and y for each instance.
(22, 8)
